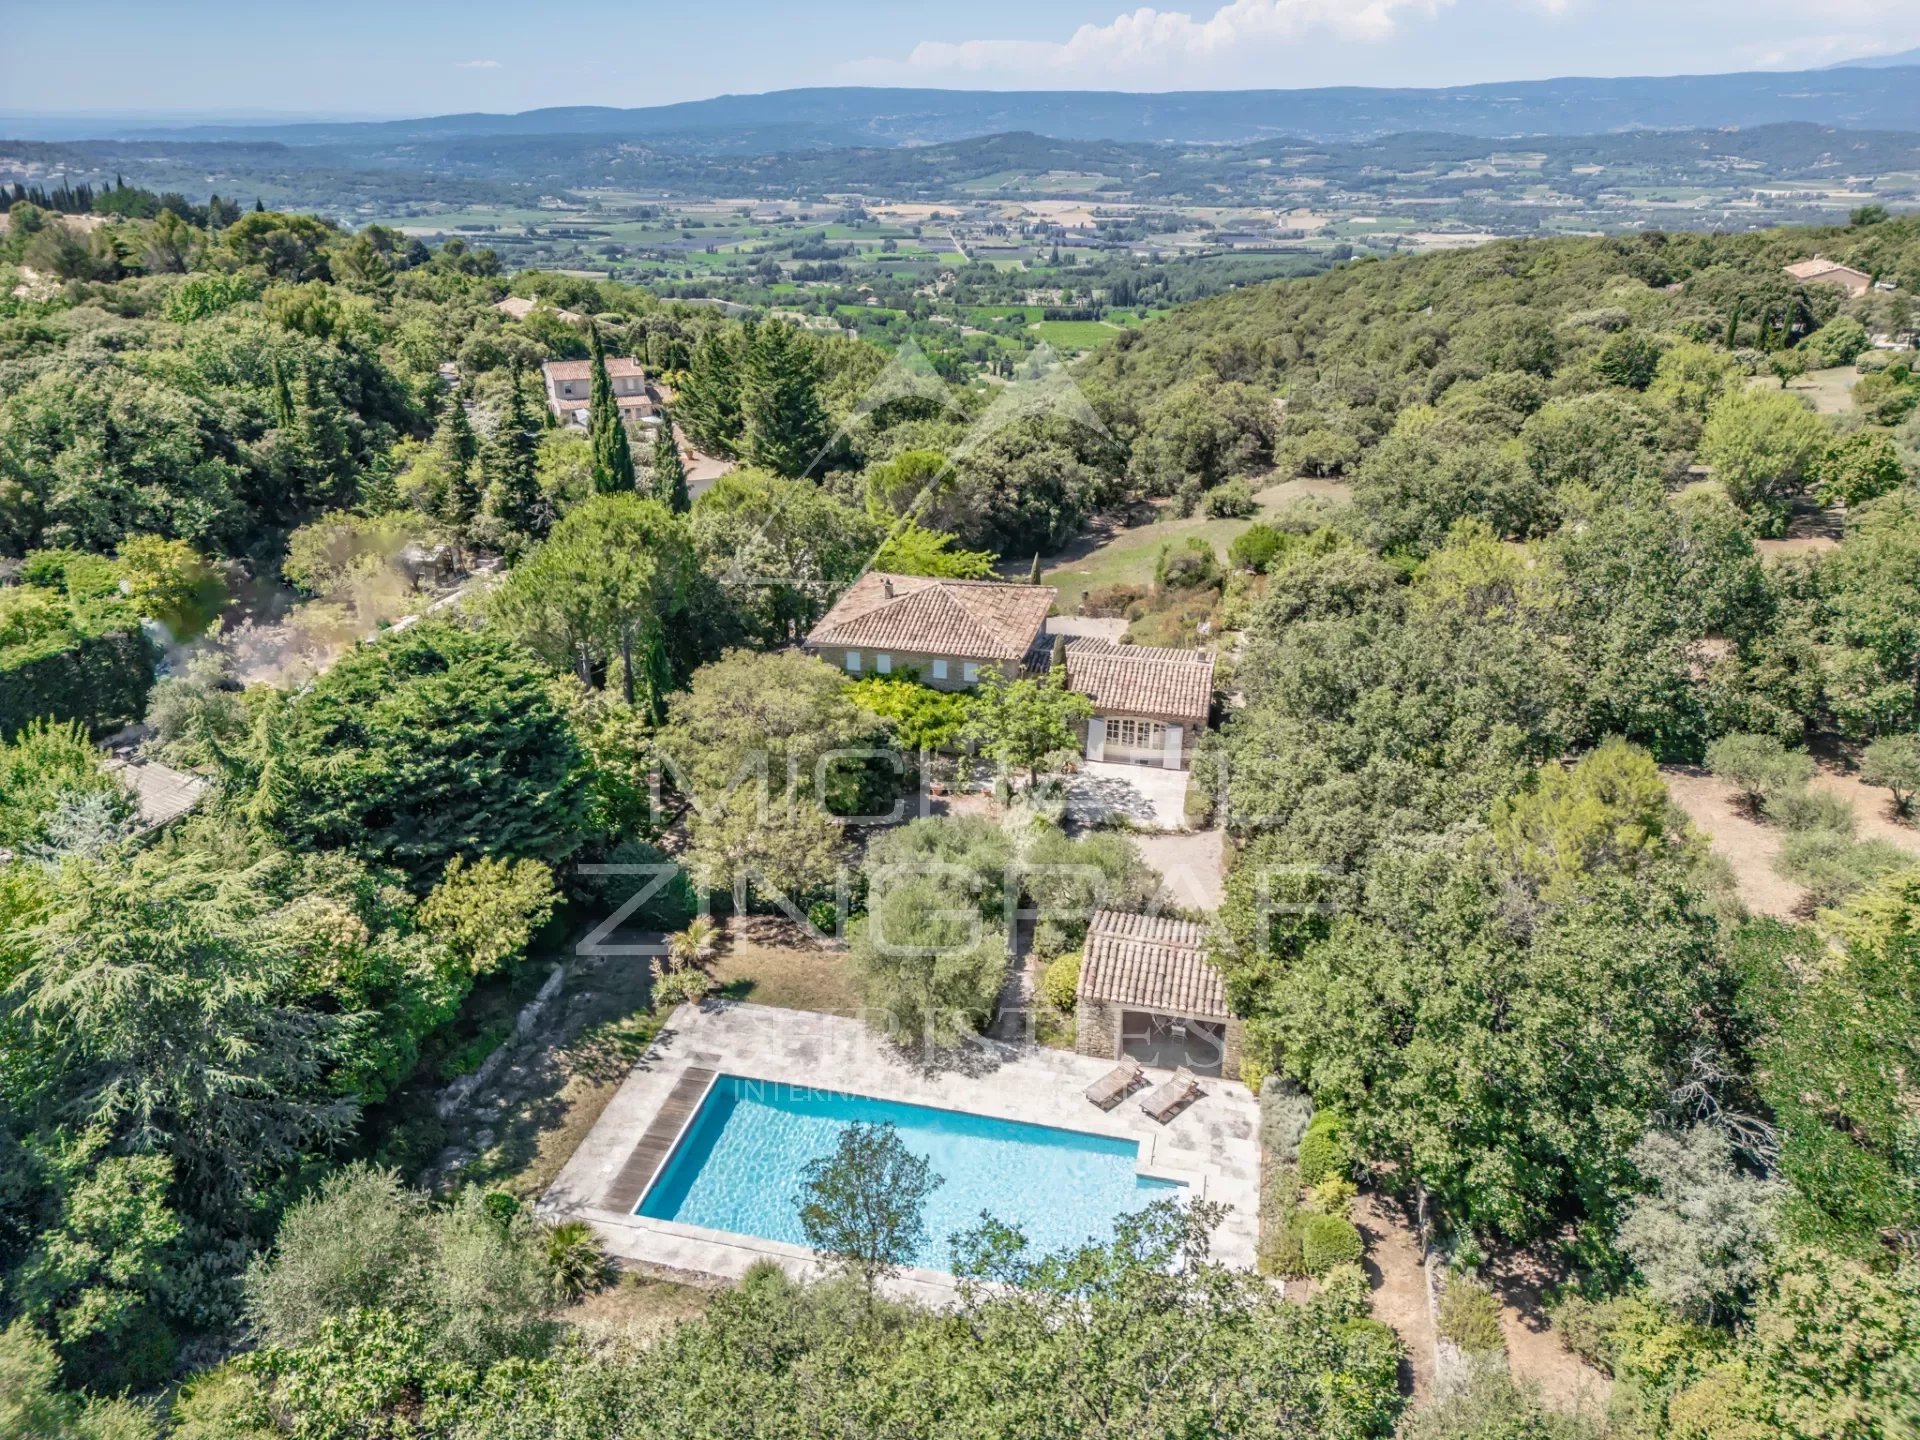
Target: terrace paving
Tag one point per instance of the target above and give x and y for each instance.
(1212, 1145)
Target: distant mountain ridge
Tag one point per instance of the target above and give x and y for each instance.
(1881, 62)
(1865, 96)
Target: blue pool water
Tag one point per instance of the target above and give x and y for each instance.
(738, 1168)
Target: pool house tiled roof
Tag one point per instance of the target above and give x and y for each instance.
(1152, 962)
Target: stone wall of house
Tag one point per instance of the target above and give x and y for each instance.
(1096, 1032)
(922, 665)
(1096, 1029)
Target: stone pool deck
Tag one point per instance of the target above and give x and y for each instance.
(1212, 1145)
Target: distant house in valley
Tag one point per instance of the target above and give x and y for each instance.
(1821, 271)
(570, 391)
(1148, 992)
(1149, 704)
(518, 307)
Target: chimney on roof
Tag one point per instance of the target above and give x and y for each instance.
(886, 585)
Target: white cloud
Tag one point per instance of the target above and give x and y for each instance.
(1283, 42)
(477, 65)
(1154, 38)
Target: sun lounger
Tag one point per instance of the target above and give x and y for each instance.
(1167, 1098)
(1110, 1089)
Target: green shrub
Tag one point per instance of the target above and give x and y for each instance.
(1231, 501)
(1839, 342)
(1191, 565)
(1280, 1253)
(1886, 397)
(636, 866)
(1470, 1317)
(1761, 766)
(70, 647)
(1330, 1240)
(1060, 984)
(1334, 1194)
(1804, 810)
(1325, 1149)
(1256, 548)
(1344, 1293)
(1831, 866)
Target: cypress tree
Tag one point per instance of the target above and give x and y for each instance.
(669, 474)
(612, 456)
(510, 464)
(785, 424)
(710, 396)
(1033, 574)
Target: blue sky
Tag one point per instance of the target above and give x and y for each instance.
(417, 57)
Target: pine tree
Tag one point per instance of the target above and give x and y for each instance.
(785, 425)
(669, 474)
(510, 467)
(612, 456)
(455, 450)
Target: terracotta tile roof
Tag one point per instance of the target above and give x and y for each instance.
(1151, 962)
(974, 619)
(617, 367)
(1175, 685)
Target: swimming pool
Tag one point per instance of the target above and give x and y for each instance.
(738, 1168)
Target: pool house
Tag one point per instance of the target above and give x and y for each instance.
(1148, 992)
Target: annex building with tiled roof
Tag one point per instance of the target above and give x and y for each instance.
(1149, 704)
(1148, 991)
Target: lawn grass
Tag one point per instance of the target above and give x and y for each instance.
(1074, 334)
(765, 963)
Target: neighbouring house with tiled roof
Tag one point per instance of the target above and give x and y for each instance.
(1149, 705)
(570, 391)
(1149, 992)
(1822, 271)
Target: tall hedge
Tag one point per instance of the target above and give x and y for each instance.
(100, 680)
(71, 647)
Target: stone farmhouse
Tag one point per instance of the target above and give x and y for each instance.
(1150, 705)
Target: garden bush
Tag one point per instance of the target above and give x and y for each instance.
(1286, 1112)
(1804, 810)
(576, 1264)
(1060, 984)
(1256, 548)
(1344, 1292)
(1330, 1240)
(1325, 1149)
(1191, 565)
(1231, 501)
(1830, 866)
